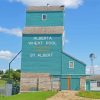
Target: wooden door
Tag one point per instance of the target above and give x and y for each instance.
(68, 83)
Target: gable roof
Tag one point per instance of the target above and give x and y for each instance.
(74, 58)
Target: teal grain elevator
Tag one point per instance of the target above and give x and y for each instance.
(44, 65)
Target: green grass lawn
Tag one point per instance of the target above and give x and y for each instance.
(92, 94)
(30, 96)
(2, 83)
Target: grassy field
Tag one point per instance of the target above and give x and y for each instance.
(94, 95)
(2, 83)
(30, 96)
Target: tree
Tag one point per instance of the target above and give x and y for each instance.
(16, 76)
(11, 71)
(1, 72)
(18, 70)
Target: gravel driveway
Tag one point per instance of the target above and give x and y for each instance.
(68, 95)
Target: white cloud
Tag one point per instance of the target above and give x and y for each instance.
(67, 3)
(96, 69)
(6, 55)
(64, 39)
(13, 31)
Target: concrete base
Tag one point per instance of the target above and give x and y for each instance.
(8, 89)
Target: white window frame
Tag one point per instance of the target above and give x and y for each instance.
(43, 15)
(73, 64)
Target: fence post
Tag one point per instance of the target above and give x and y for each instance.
(37, 84)
(51, 84)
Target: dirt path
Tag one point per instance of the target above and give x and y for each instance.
(68, 95)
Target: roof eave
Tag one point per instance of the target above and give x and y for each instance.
(74, 58)
(44, 8)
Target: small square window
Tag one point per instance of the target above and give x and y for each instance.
(71, 64)
(98, 84)
(44, 16)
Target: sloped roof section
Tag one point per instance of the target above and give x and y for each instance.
(74, 58)
(44, 8)
(44, 30)
(93, 77)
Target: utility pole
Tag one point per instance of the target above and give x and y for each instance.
(11, 62)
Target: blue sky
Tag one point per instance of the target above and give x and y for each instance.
(82, 30)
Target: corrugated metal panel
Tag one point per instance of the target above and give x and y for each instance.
(42, 53)
(79, 68)
(53, 19)
(75, 84)
(87, 85)
(64, 85)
